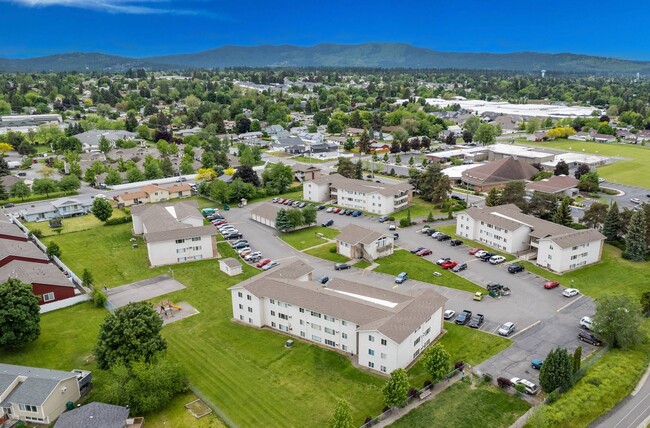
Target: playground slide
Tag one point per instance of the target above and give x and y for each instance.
(176, 307)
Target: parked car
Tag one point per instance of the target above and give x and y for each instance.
(253, 255)
(323, 279)
(476, 321)
(343, 212)
(590, 338)
(320, 207)
(633, 200)
(392, 226)
(234, 235)
(551, 284)
(537, 364)
(327, 223)
(435, 234)
(237, 242)
(336, 210)
(515, 268)
(506, 329)
(244, 251)
(480, 253)
(449, 314)
(416, 249)
(399, 279)
(443, 237)
(349, 212)
(424, 230)
(396, 235)
(329, 210)
(287, 202)
(263, 263)
(463, 317)
(341, 266)
(430, 232)
(458, 198)
(495, 260)
(455, 242)
(473, 251)
(570, 292)
(587, 323)
(448, 264)
(383, 219)
(302, 205)
(275, 200)
(423, 252)
(459, 267)
(271, 265)
(494, 286)
(242, 244)
(478, 296)
(530, 388)
(357, 213)
(487, 256)
(9, 205)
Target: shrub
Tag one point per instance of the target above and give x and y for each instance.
(391, 218)
(333, 250)
(520, 388)
(117, 220)
(404, 223)
(504, 382)
(37, 233)
(459, 364)
(487, 377)
(552, 397)
(367, 421)
(99, 298)
(595, 381)
(427, 383)
(412, 392)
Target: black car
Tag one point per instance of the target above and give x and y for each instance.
(323, 279)
(459, 267)
(492, 286)
(236, 235)
(341, 266)
(327, 223)
(485, 257)
(431, 231)
(476, 321)
(589, 338)
(443, 237)
(455, 242)
(416, 249)
(9, 205)
(515, 268)
(464, 317)
(349, 212)
(321, 207)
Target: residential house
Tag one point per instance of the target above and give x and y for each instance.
(356, 242)
(354, 132)
(497, 174)
(506, 228)
(37, 396)
(90, 139)
(376, 146)
(11, 232)
(64, 207)
(249, 135)
(304, 172)
(100, 415)
(559, 185)
(604, 138)
(174, 232)
(48, 283)
(154, 193)
(380, 329)
(377, 198)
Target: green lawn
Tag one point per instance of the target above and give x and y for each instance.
(324, 252)
(305, 159)
(612, 275)
(306, 238)
(176, 415)
(362, 264)
(419, 208)
(484, 345)
(421, 269)
(35, 197)
(632, 170)
(73, 224)
(461, 405)
(450, 229)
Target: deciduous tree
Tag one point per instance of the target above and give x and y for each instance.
(345, 168)
(617, 320)
(485, 134)
(20, 190)
(396, 389)
(69, 183)
(562, 168)
(53, 249)
(20, 314)
(248, 175)
(594, 216)
(277, 178)
(44, 186)
(437, 362)
(342, 416)
(102, 209)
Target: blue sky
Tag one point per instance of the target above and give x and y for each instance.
(158, 27)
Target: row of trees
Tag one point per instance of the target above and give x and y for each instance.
(294, 218)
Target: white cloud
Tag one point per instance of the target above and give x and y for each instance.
(140, 7)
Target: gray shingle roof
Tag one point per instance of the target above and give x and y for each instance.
(181, 233)
(267, 210)
(20, 248)
(35, 273)
(97, 415)
(10, 229)
(36, 388)
(354, 234)
(230, 262)
(555, 184)
(499, 171)
(577, 237)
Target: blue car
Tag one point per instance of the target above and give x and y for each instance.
(356, 214)
(537, 364)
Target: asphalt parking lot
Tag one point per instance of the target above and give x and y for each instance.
(544, 318)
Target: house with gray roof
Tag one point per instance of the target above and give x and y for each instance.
(380, 329)
(36, 395)
(100, 415)
(60, 208)
(90, 139)
(553, 246)
(174, 232)
(356, 242)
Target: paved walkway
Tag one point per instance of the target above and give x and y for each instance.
(142, 290)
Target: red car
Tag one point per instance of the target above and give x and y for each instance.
(281, 201)
(475, 250)
(336, 210)
(551, 284)
(448, 265)
(219, 222)
(424, 252)
(263, 263)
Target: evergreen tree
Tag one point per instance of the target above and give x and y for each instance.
(635, 239)
(493, 198)
(398, 159)
(364, 143)
(358, 170)
(562, 168)
(611, 226)
(396, 389)
(577, 359)
(282, 221)
(514, 193)
(4, 167)
(556, 371)
(563, 213)
(3, 193)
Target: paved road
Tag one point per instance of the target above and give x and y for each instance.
(552, 320)
(632, 412)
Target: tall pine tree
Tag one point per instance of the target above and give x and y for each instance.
(563, 213)
(556, 371)
(611, 226)
(282, 220)
(493, 198)
(635, 239)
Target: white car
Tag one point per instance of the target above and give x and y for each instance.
(570, 292)
(103, 196)
(495, 260)
(635, 200)
(435, 235)
(449, 314)
(424, 230)
(243, 250)
(330, 209)
(253, 255)
(531, 388)
(480, 253)
(506, 329)
(586, 323)
(601, 180)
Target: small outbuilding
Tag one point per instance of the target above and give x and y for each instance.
(230, 266)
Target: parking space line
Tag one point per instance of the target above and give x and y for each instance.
(527, 328)
(570, 303)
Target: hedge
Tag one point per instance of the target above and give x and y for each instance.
(117, 220)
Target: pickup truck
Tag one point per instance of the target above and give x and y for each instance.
(476, 321)
(464, 317)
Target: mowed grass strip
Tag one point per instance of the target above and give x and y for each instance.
(325, 252)
(73, 224)
(421, 269)
(462, 405)
(306, 238)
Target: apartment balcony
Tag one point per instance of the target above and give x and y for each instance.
(401, 204)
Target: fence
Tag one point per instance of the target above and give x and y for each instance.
(71, 301)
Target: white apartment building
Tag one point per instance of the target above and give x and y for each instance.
(174, 232)
(506, 228)
(381, 329)
(377, 198)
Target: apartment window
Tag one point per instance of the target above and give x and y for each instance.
(302, 322)
(371, 338)
(248, 297)
(416, 341)
(241, 318)
(196, 239)
(315, 314)
(574, 257)
(241, 306)
(250, 320)
(283, 327)
(273, 324)
(302, 310)
(382, 368)
(180, 250)
(272, 301)
(371, 352)
(315, 327)
(329, 331)
(250, 309)
(329, 318)
(283, 316)
(371, 364)
(181, 259)
(239, 294)
(383, 356)
(180, 241)
(428, 330)
(344, 347)
(302, 334)
(48, 297)
(343, 322)
(383, 342)
(416, 353)
(27, 408)
(330, 342)
(344, 335)
(316, 338)
(272, 313)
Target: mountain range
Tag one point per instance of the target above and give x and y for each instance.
(370, 55)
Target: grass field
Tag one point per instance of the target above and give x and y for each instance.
(631, 170)
(362, 264)
(421, 269)
(306, 238)
(72, 224)
(324, 252)
(612, 275)
(307, 160)
(38, 197)
(176, 415)
(464, 406)
(419, 209)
